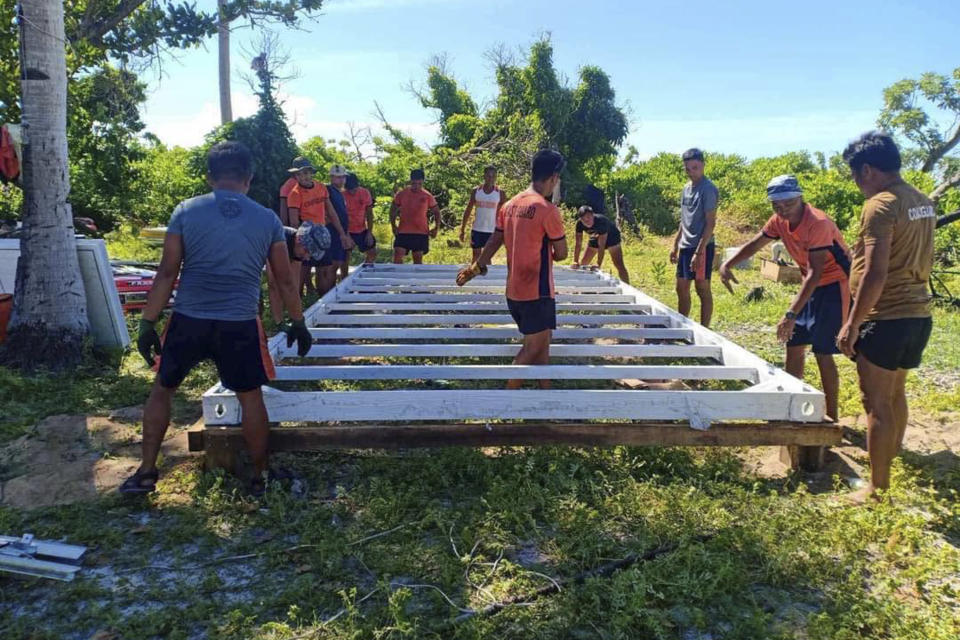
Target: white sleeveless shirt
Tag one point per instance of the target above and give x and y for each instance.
(486, 208)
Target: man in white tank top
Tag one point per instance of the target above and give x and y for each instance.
(487, 200)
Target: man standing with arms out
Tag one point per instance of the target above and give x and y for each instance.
(532, 229)
(309, 200)
(360, 213)
(693, 246)
(339, 248)
(487, 199)
(819, 309)
(604, 236)
(413, 233)
(890, 322)
(217, 244)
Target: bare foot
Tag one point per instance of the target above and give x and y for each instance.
(862, 496)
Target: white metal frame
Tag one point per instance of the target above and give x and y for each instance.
(396, 305)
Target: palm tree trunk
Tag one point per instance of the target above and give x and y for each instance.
(223, 42)
(49, 321)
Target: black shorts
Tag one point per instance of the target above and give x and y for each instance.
(613, 240)
(479, 238)
(704, 268)
(533, 316)
(237, 347)
(360, 239)
(894, 344)
(821, 319)
(412, 242)
(335, 253)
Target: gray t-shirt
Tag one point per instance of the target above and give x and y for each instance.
(226, 241)
(694, 205)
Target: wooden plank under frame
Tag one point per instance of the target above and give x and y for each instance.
(775, 409)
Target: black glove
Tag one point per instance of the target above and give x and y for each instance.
(297, 331)
(148, 342)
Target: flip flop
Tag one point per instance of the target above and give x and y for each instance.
(135, 483)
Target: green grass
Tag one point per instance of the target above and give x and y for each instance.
(751, 558)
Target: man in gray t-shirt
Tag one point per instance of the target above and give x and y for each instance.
(217, 244)
(693, 246)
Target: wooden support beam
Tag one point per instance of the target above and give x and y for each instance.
(493, 333)
(333, 320)
(389, 436)
(505, 350)
(514, 371)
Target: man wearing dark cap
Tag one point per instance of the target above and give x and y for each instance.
(820, 308)
(359, 203)
(216, 244)
(412, 232)
(531, 227)
(693, 246)
(890, 323)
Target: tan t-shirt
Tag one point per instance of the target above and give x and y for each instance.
(907, 218)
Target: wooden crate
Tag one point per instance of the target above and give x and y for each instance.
(787, 274)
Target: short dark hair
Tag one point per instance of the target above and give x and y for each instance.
(546, 163)
(875, 148)
(352, 181)
(693, 154)
(417, 174)
(490, 167)
(585, 209)
(229, 160)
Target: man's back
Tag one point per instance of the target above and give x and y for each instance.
(226, 240)
(529, 222)
(908, 218)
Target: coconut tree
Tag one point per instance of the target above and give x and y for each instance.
(49, 321)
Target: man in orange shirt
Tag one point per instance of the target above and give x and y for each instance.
(309, 200)
(532, 229)
(820, 307)
(360, 212)
(285, 190)
(412, 233)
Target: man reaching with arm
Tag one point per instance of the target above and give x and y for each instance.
(217, 244)
(532, 229)
(819, 309)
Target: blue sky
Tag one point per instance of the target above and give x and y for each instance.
(749, 77)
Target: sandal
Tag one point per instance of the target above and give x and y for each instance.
(140, 482)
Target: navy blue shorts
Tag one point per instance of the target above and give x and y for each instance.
(478, 239)
(360, 239)
(894, 344)
(237, 347)
(704, 269)
(821, 319)
(533, 316)
(335, 253)
(412, 242)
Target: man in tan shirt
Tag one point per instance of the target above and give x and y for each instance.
(889, 325)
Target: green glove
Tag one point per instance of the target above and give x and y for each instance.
(148, 342)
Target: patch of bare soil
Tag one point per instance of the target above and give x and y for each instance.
(68, 458)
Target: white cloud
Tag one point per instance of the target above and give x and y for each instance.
(187, 129)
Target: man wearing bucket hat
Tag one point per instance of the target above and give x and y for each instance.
(412, 232)
(216, 245)
(309, 242)
(339, 250)
(820, 308)
(310, 200)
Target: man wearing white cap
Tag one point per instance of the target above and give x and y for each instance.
(820, 308)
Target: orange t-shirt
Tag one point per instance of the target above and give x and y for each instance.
(357, 203)
(311, 202)
(413, 207)
(816, 232)
(287, 187)
(529, 222)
